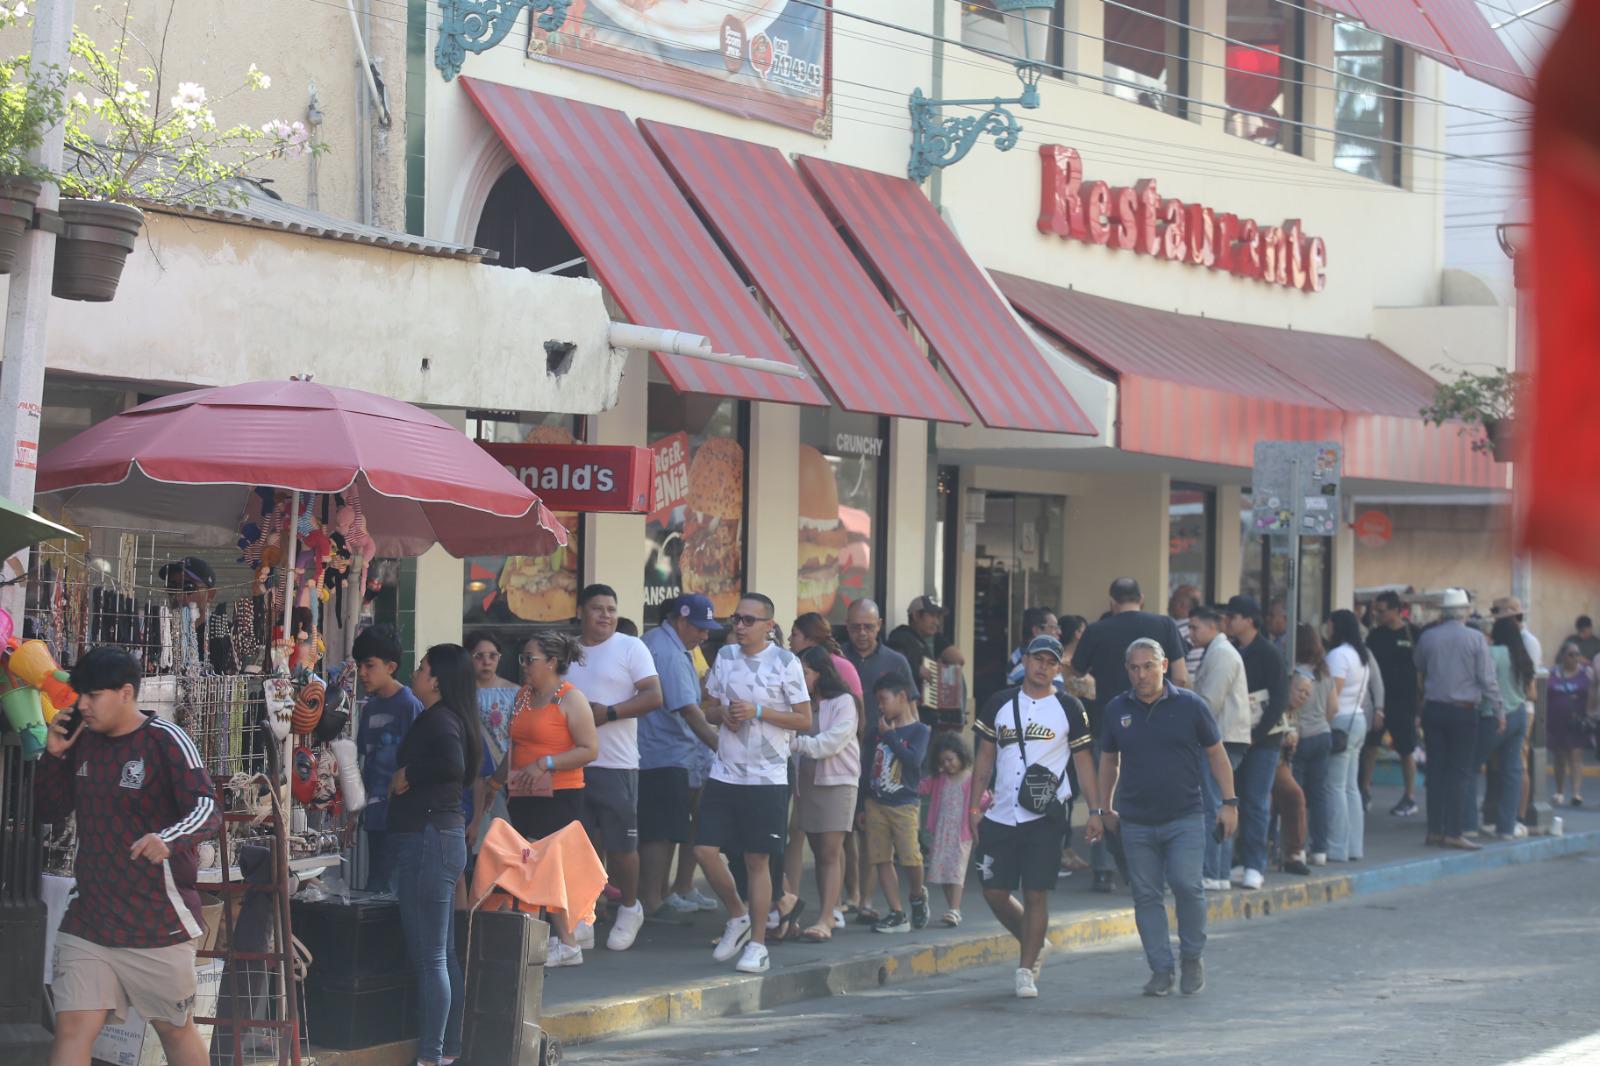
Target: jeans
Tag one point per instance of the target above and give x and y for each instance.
(1253, 784)
(1311, 770)
(1217, 853)
(427, 866)
(1507, 746)
(1347, 819)
(1170, 854)
(1449, 734)
(380, 861)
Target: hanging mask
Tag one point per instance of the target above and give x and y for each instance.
(308, 703)
(279, 693)
(303, 782)
(327, 787)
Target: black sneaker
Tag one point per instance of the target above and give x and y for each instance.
(1295, 866)
(1194, 977)
(893, 922)
(1405, 808)
(919, 911)
(1104, 881)
(1160, 984)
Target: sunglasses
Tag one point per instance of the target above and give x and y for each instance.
(746, 619)
(529, 660)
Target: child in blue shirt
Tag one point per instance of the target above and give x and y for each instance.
(386, 715)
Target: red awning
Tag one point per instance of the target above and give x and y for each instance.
(1455, 32)
(990, 356)
(641, 238)
(1197, 388)
(760, 208)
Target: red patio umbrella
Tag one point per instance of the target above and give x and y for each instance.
(172, 463)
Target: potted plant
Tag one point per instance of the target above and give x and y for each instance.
(1484, 403)
(128, 142)
(31, 102)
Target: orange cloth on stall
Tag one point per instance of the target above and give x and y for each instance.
(560, 872)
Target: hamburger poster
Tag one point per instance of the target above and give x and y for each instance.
(695, 526)
(761, 59)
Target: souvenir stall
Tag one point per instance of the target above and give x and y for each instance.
(228, 531)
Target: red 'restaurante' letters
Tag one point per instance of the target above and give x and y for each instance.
(1138, 219)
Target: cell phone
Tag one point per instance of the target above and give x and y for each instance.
(1218, 833)
(73, 719)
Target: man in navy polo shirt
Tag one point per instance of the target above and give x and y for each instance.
(1153, 740)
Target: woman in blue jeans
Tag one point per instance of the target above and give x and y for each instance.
(428, 829)
(1314, 742)
(1502, 739)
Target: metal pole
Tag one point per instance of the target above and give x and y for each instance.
(28, 301)
(1291, 598)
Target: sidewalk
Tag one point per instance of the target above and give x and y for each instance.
(669, 975)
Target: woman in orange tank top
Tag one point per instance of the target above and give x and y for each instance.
(553, 737)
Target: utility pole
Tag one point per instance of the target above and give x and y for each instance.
(28, 301)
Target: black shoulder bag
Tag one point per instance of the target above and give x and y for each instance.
(1037, 793)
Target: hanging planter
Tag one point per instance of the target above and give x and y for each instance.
(1502, 436)
(91, 253)
(1482, 405)
(17, 199)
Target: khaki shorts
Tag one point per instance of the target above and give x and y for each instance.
(892, 834)
(157, 982)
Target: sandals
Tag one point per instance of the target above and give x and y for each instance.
(867, 916)
(1072, 862)
(952, 918)
(788, 923)
(816, 934)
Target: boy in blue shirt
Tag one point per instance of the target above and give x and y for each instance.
(890, 816)
(386, 715)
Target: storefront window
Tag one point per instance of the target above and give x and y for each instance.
(843, 459)
(695, 528)
(1264, 74)
(1145, 55)
(1366, 113)
(510, 595)
(1190, 553)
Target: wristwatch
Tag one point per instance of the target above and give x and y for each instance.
(611, 714)
(1097, 812)
(1231, 801)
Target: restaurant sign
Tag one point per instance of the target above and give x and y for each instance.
(580, 477)
(1137, 218)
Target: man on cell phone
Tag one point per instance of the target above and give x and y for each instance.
(143, 800)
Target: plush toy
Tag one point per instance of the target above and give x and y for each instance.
(360, 540)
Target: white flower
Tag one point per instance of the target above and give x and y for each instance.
(81, 100)
(191, 97)
(20, 11)
(257, 79)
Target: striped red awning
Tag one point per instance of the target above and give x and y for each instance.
(1201, 389)
(641, 237)
(759, 207)
(1455, 32)
(989, 355)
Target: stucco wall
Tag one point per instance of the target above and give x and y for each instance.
(206, 303)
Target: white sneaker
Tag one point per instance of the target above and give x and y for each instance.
(561, 955)
(1026, 984)
(773, 918)
(1216, 884)
(1558, 800)
(754, 959)
(734, 936)
(703, 901)
(625, 928)
(1252, 879)
(1318, 858)
(584, 935)
(1236, 874)
(838, 917)
(681, 904)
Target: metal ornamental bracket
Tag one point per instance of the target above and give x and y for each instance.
(478, 25)
(939, 142)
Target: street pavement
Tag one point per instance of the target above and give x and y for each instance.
(1496, 968)
(678, 954)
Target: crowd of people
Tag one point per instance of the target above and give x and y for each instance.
(1207, 748)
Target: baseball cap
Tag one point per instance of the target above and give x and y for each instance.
(925, 603)
(1044, 642)
(697, 611)
(1245, 605)
(189, 574)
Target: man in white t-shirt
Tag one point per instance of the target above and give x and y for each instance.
(618, 675)
(1015, 846)
(756, 693)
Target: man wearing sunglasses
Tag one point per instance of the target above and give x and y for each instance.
(756, 692)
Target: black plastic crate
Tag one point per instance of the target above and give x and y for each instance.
(347, 941)
(362, 1011)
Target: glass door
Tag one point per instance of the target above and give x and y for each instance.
(1018, 565)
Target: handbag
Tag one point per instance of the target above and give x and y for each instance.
(1037, 793)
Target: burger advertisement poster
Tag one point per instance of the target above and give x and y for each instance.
(838, 498)
(695, 527)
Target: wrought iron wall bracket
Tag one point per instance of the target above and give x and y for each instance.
(478, 25)
(939, 142)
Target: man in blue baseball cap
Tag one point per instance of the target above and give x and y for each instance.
(668, 743)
